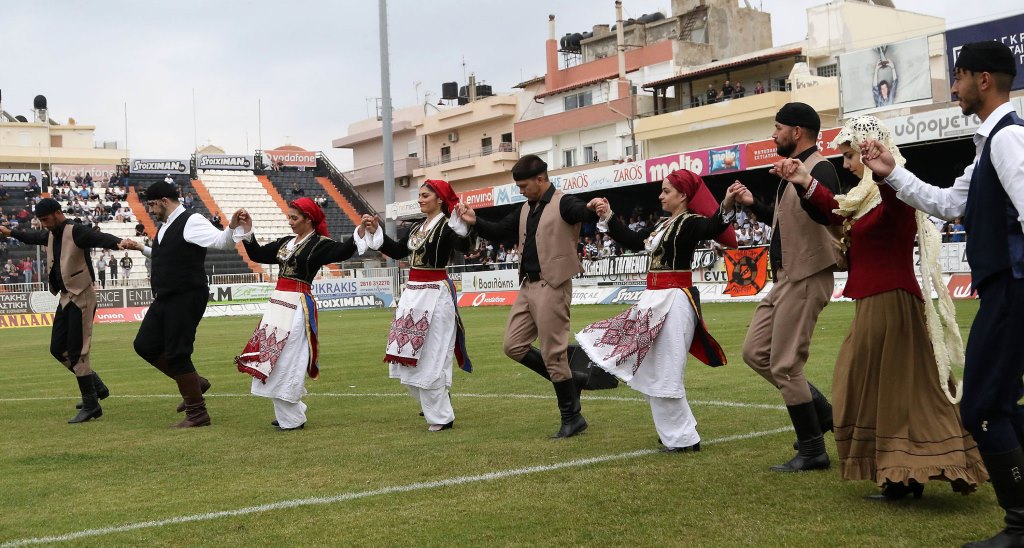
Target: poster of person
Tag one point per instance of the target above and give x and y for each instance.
(886, 75)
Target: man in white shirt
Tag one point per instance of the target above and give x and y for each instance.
(180, 293)
(990, 196)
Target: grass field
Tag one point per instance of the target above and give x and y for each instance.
(366, 472)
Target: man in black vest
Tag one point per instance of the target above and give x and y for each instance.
(180, 293)
(990, 196)
(71, 276)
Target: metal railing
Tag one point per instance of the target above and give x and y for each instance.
(324, 165)
(701, 101)
(476, 153)
(246, 278)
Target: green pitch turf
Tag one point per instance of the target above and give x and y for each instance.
(365, 472)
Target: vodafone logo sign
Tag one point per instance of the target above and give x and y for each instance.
(490, 298)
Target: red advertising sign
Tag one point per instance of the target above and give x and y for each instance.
(298, 158)
(479, 198)
(763, 153)
(960, 287)
(490, 298)
(121, 315)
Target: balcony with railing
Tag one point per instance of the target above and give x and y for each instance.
(469, 163)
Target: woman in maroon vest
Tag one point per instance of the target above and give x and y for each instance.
(897, 421)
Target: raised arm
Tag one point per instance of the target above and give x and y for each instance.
(263, 254)
(328, 251)
(33, 237)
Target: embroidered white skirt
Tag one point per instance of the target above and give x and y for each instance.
(423, 333)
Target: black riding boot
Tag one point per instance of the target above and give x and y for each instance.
(102, 392)
(1006, 470)
(824, 410)
(90, 402)
(534, 361)
(811, 454)
(569, 408)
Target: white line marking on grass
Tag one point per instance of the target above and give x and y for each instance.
(710, 403)
(318, 501)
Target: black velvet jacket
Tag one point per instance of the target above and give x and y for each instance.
(675, 249)
(308, 258)
(437, 248)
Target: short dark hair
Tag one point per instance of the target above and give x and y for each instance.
(529, 166)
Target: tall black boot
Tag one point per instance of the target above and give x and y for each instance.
(824, 410)
(569, 407)
(1006, 470)
(534, 361)
(811, 454)
(102, 392)
(90, 402)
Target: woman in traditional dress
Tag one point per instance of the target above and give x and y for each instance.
(897, 421)
(284, 348)
(427, 330)
(646, 345)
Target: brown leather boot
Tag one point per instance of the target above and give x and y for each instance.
(203, 384)
(195, 406)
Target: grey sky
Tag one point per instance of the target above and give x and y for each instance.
(313, 65)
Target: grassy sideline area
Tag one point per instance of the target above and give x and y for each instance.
(364, 463)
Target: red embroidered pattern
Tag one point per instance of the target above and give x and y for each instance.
(406, 330)
(269, 347)
(630, 332)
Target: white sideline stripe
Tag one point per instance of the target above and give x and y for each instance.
(317, 501)
(712, 403)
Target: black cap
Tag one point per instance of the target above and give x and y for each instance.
(799, 114)
(47, 206)
(162, 189)
(987, 56)
(528, 166)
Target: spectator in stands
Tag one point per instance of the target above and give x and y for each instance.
(10, 271)
(168, 179)
(101, 270)
(758, 88)
(739, 90)
(140, 230)
(711, 96)
(26, 269)
(112, 265)
(296, 191)
(727, 90)
(88, 180)
(3, 193)
(958, 230)
(187, 202)
(512, 257)
(590, 250)
(126, 267)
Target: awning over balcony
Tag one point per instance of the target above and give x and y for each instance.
(577, 85)
(752, 59)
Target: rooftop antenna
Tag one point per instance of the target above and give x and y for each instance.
(464, 76)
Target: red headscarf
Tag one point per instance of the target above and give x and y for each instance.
(699, 200)
(444, 191)
(313, 212)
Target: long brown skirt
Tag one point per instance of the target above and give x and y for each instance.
(892, 421)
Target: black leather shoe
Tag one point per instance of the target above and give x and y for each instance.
(896, 491)
(694, 448)
(274, 423)
(569, 429)
(800, 463)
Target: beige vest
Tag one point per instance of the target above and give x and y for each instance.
(74, 267)
(556, 243)
(807, 247)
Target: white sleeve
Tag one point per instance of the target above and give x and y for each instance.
(199, 231)
(147, 251)
(1008, 159)
(602, 223)
(458, 225)
(946, 203)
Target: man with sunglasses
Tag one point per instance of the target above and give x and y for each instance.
(180, 293)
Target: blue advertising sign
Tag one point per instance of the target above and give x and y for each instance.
(1009, 31)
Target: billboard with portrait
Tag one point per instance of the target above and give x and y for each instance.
(886, 75)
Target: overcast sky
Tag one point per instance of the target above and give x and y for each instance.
(314, 66)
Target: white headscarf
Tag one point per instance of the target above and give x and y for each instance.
(943, 331)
